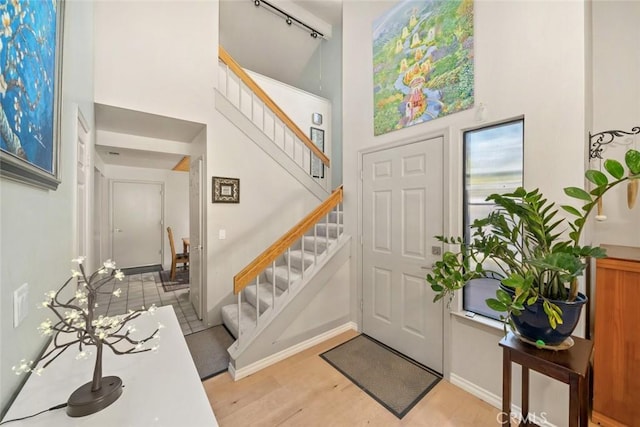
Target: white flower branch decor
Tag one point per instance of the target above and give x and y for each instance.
(75, 324)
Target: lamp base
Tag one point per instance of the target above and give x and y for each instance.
(83, 401)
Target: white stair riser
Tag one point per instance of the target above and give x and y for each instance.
(333, 217)
(298, 257)
(320, 245)
(321, 230)
(266, 296)
(281, 279)
(230, 317)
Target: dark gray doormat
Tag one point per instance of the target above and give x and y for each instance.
(394, 380)
(142, 269)
(208, 349)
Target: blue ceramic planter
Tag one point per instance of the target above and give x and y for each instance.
(533, 323)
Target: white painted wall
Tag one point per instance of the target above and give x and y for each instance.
(529, 60)
(616, 87)
(176, 201)
(271, 202)
(323, 76)
(162, 60)
(37, 234)
(299, 105)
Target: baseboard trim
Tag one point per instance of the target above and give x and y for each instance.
(493, 399)
(288, 352)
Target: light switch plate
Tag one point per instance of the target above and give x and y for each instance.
(20, 304)
(222, 234)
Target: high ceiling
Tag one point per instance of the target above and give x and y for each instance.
(259, 39)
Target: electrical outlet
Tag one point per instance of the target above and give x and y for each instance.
(20, 304)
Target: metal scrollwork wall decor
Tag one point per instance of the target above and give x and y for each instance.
(597, 140)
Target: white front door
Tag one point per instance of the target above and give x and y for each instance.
(195, 235)
(402, 211)
(137, 223)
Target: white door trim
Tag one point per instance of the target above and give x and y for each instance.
(83, 197)
(451, 162)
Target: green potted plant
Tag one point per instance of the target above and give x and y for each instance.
(526, 245)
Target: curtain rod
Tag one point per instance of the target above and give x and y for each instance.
(289, 19)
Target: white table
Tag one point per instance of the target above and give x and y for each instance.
(160, 388)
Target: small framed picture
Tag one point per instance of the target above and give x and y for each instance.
(317, 168)
(225, 190)
(316, 118)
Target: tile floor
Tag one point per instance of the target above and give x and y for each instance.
(144, 290)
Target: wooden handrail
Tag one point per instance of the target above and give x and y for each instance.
(239, 71)
(262, 261)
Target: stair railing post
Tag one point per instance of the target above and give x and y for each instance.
(326, 220)
(239, 315)
(315, 244)
(338, 218)
(288, 269)
(274, 278)
(257, 298)
(302, 263)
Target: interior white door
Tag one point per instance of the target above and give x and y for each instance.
(402, 209)
(195, 235)
(137, 223)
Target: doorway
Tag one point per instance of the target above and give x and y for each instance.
(137, 222)
(196, 226)
(402, 211)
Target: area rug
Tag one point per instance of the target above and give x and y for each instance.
(142, 269)
(395, 381)
(208, 349)
(181, 282)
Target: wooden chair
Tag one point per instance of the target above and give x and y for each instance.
(175, 257)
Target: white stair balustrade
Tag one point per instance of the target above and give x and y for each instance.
(240, 95)
(262, 298)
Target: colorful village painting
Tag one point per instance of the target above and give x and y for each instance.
(422, 62)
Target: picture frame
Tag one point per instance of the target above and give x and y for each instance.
(317, 167)
(31, 80)
(316, 118)
(225, 190)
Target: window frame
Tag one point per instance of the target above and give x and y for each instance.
(475, 307)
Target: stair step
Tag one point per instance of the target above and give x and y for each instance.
(230, 317)
(298, 258)
(333, 217)
(266, 295)
(321, 229)
(281, 276)
(321, 243)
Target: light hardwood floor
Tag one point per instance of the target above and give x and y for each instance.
(304, 390)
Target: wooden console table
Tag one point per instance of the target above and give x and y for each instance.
(160, 388)
(569, 366)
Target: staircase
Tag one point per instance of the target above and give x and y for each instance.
(282, 271)
(279, 284)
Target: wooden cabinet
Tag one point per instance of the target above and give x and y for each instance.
(616, 365)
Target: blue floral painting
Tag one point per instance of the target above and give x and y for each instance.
(28, 49)
(422, 62)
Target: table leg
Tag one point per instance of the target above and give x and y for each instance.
(525, 393)
(506, 388)
(575, 398)
(584, 400)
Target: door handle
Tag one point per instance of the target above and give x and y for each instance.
(425, 267)
(117, 230)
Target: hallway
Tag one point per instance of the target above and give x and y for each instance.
(146, 289)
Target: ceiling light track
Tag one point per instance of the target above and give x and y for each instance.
(289, 19)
